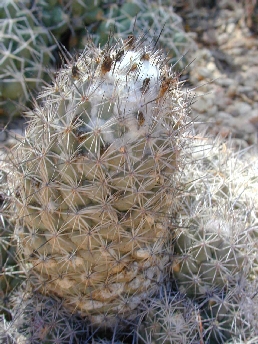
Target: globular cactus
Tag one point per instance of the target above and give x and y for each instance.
(62, 16)
(215, 260)
(170, 319)
(94, 181)
(251, 340)
(214, 266)
(9, 269)
(222, 316)
(10, 275)
(42, 319)
(25, 53)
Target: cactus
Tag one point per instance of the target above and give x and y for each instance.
(108, 196)
(215, 257)
(175, 318)
(214, 267)
(24, 55)
(170, 319)
(153, 20)
(62, 16)
(94, 179)
(42, 319)
(8, 267)
(27, 46)
(67, 21)
(10, 276)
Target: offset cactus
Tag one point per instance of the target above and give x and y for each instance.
(215, 251)
(24, 55)
(8, 266)
(93, 181)
(9, 269)
(214, 266)
(170, 319)
(41, 319)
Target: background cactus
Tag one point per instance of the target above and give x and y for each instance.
(215, 250)
(41, 319)
(25, 53)
(67, 21)
(154, 19)
(10, 276)
(213, 296)
(63, 16)
(8, 265)
(170, 319)
(94, 179)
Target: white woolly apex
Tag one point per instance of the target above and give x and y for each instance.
(131, 85)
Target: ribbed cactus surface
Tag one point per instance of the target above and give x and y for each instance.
(170, 319)
(215, 255)
(25, 53)
(95, 179)
(9, 269)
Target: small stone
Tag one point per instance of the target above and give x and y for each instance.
(223, 102)
(226, 82)
(209, 37)
(243, 126)
(252, 139)
(239, 109)
(224, 116)
(232, 90)
(243, 108)
(230, 27)
(212, 110)
(223, 38)
(203, 104)
(251, 77)
(245, 89)
(211, 66)
(204, 73)
(254, 122)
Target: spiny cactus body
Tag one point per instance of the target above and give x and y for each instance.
(24, 55)
(215, 251)
(62, 16)
(94, 179)
(9, 269)
(8, 265)
(43, 319)
(170, 319)
(214, 266)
